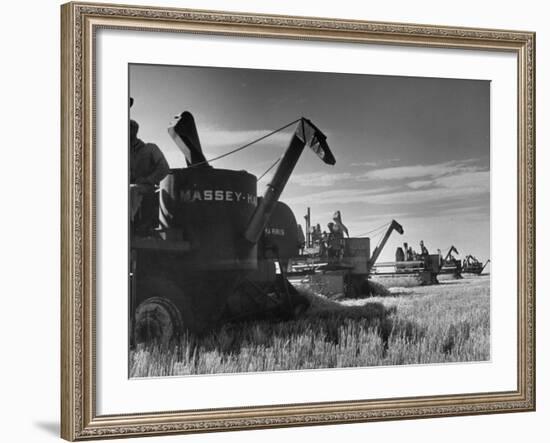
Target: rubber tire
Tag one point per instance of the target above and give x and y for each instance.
(157, 320)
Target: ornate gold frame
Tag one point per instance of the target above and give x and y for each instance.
(79, 420)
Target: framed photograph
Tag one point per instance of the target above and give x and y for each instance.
(277, 221)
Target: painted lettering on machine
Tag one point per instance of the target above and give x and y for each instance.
(275, 231)
(216, 195)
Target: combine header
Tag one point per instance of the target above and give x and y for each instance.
(419, 271)
(219, 244)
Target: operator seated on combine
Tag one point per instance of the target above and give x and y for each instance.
(335, 242)
(423, 250)
(424, 254)
(405, 254)
(409, 253)
(319, 240)
(399, 254)
(338, 225)
(316, 234)
(323, 245)
(147, 168)
(441, 260)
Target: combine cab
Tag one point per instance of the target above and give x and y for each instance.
(219, 244)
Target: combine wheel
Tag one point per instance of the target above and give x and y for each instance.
(157, 319)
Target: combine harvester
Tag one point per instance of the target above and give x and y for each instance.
(454, 267)
(451, 267)
(354, 272)
(343, 274)
(219, 244)
(419, 271)
(472, 265)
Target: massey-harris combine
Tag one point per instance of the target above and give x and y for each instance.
(341, 269)
(219, 243)
(451, 267)
(454, 267)
(472, 265)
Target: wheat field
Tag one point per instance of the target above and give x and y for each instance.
(449, 322)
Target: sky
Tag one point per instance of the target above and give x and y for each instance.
(412, 149)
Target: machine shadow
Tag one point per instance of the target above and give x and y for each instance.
(325, 321)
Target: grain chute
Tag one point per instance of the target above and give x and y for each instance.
(450, 266)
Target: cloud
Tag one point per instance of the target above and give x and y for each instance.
(452, 188)
(420, 184)
(340, 196)
(420, 171)
(378, 163)
(466, 179)
(447, 181)
(320, 179)
(461, 186)
(380, 216)
(463, 210)
(371, 164)
(442, 175)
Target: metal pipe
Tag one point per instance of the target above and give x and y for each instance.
(308, 227)
(378, 249)
(306, 134)
(274, 189)
(486, 263)
(451, 249)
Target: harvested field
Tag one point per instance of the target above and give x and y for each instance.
(449, 322)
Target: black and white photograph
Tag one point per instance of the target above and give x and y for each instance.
(285, 220)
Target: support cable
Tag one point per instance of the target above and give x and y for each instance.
(244, 146)
(379, 228)
(269, 169)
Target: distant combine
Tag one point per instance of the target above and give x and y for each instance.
(339, 266)
(346, 268)
(472, 265)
